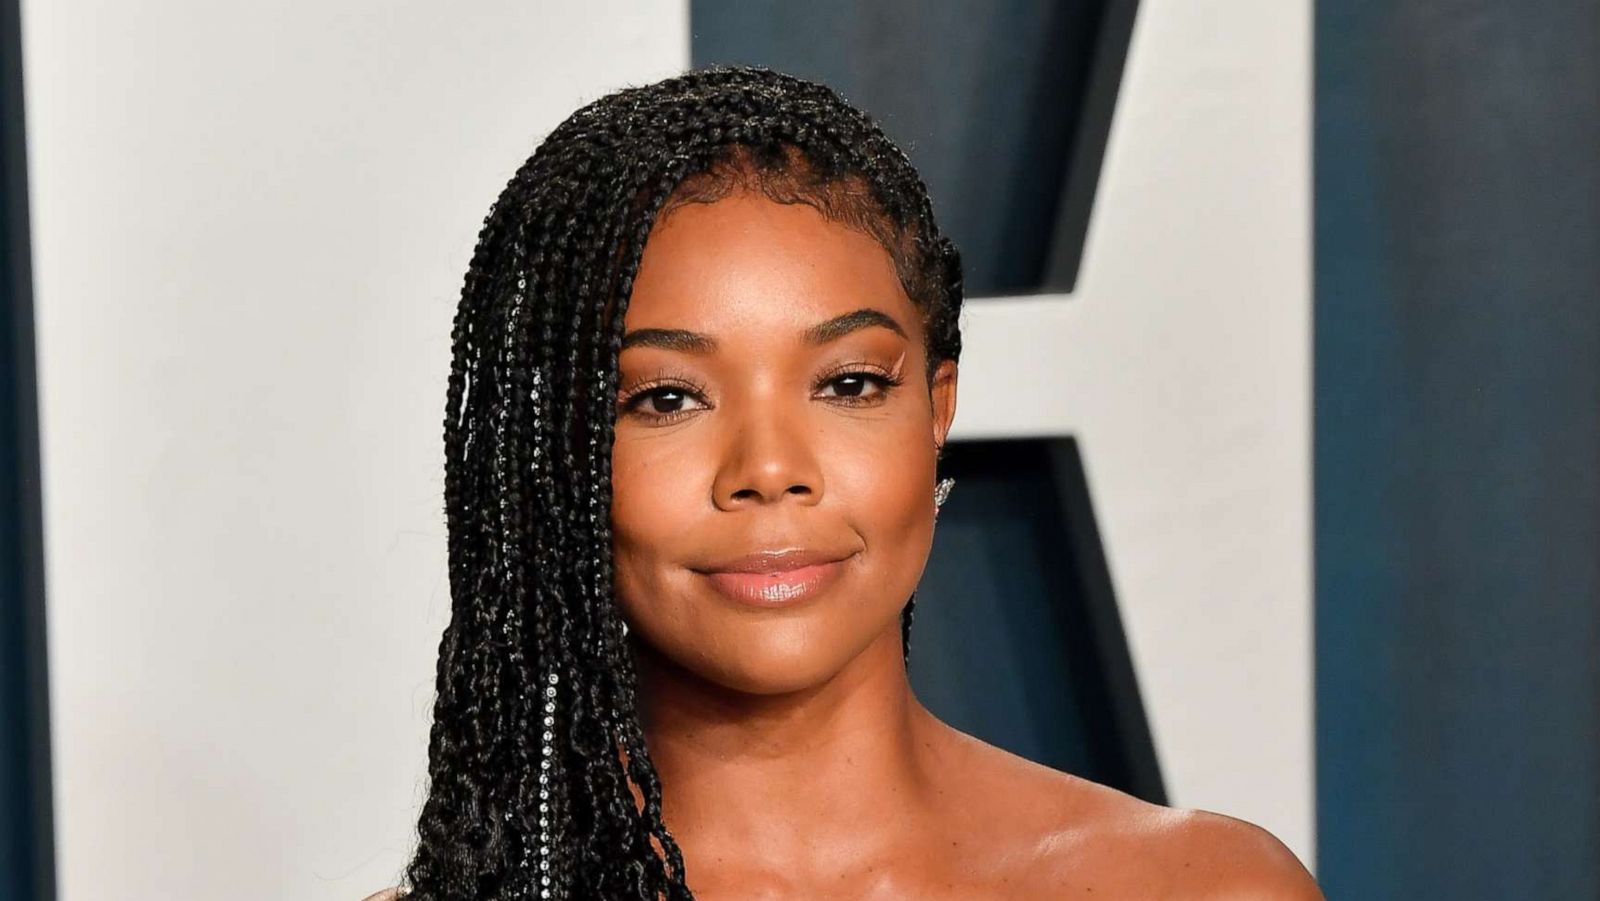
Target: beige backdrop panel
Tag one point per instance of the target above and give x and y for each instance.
(251, 225)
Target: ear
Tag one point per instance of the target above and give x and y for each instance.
(942, 395)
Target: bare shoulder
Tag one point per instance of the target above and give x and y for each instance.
(388, 894)
(1154, 850)
(1224, 857)
(1071, 835)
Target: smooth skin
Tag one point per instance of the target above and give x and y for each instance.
(795, 760)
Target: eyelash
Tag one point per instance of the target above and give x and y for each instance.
(886, 382)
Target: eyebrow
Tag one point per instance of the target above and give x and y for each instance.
(686, 341)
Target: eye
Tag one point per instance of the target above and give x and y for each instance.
(661, 403)
(860, 387)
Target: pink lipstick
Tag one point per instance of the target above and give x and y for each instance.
(776, 579)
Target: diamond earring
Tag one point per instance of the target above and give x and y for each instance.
(940, 492)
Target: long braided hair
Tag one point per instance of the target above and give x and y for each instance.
(540, 783)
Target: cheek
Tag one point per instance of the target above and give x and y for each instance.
(884, 480)
(656, 501)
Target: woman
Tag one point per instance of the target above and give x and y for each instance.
(704, 363)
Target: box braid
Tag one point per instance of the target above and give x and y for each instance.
(540, 781)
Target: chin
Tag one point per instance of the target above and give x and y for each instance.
(769, 659)
(777, 664)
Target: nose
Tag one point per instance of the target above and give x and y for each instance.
(768, 457)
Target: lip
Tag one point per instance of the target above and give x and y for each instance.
(776, 578)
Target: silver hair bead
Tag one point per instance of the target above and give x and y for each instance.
(534, 396)
(546, 745)
(546, 756)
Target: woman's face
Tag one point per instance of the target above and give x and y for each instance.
(757, 414)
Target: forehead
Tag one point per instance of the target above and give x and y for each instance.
(746, 263)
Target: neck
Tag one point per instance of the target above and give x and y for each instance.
(839, 767)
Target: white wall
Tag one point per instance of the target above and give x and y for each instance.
(251, 221)
(245, 539)
(1183, 364)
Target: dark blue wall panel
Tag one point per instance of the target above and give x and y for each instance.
(1457, 449)
(1004, 107)
(1017, 637)
(27, 870)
